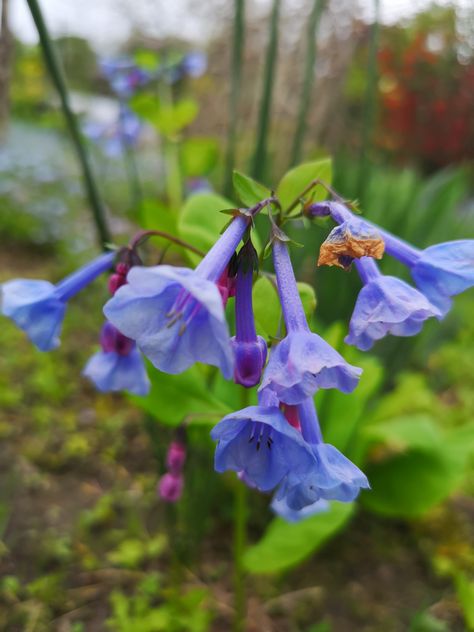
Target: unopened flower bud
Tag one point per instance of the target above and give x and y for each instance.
(170, 487)
(250, 359)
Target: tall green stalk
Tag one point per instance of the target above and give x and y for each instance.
(236, 76)
(56, 73)
(370, 103)
(240, 539)
(308, 80)
(260, 154)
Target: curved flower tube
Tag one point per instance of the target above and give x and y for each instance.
(302, 362)
(386, 305)
(38, 307)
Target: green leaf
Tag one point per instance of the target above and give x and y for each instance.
(284, 545)
(172, 398)
(200, 221)
(296, 180)
(249, 191)
(155, 215)
(308, 298)
(266, 308)
(414, 465)
(146, 59)
(199, 156)
(465, 595)
(172, 118)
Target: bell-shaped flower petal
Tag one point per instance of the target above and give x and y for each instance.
(445, 270)
(280, 507)
(387, 305)
(175, 316)
(261, 445)
(332, 477)
(111, 371)
(36, 308)
(303, 363)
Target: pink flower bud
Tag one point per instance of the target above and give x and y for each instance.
(116, 281)
(170, 487)
(176, 457)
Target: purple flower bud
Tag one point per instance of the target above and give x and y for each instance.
(170, 487)
(317, 209)
(176, 457)
(250, 350)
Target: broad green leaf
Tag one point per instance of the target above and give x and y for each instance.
(172, 118)
(248, 190)
(308, 298)
(172, 398)
(266, 308)
(200, 221)
(297, 179)
(155, 215)
(146, 106)
(408, 484)
(406, 433)
(146, 59)
(465, 594)
(284, 545)
(199, 155)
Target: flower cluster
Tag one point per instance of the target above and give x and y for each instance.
(386, 304)
(176, 317)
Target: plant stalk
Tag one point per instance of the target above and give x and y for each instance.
(308, 81)
(236, 76)
(57, 76)
(260, 154)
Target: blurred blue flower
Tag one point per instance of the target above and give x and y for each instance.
(119, 366)
(115, 138)
(194, 64)
(176, 315)
(124, 76)
(302, 362)
(259, 444)
(38, 307)
(332, 476)
(386, 305)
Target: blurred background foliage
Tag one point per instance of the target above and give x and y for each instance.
(84, 542)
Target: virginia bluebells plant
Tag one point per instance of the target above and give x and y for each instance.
(176, 315)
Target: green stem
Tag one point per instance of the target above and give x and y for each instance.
(57, 77)
(369, 103)
(260, 154)
(173, 174)
(237, 48)
(240, 538)
(133, 177)
(308, 81)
